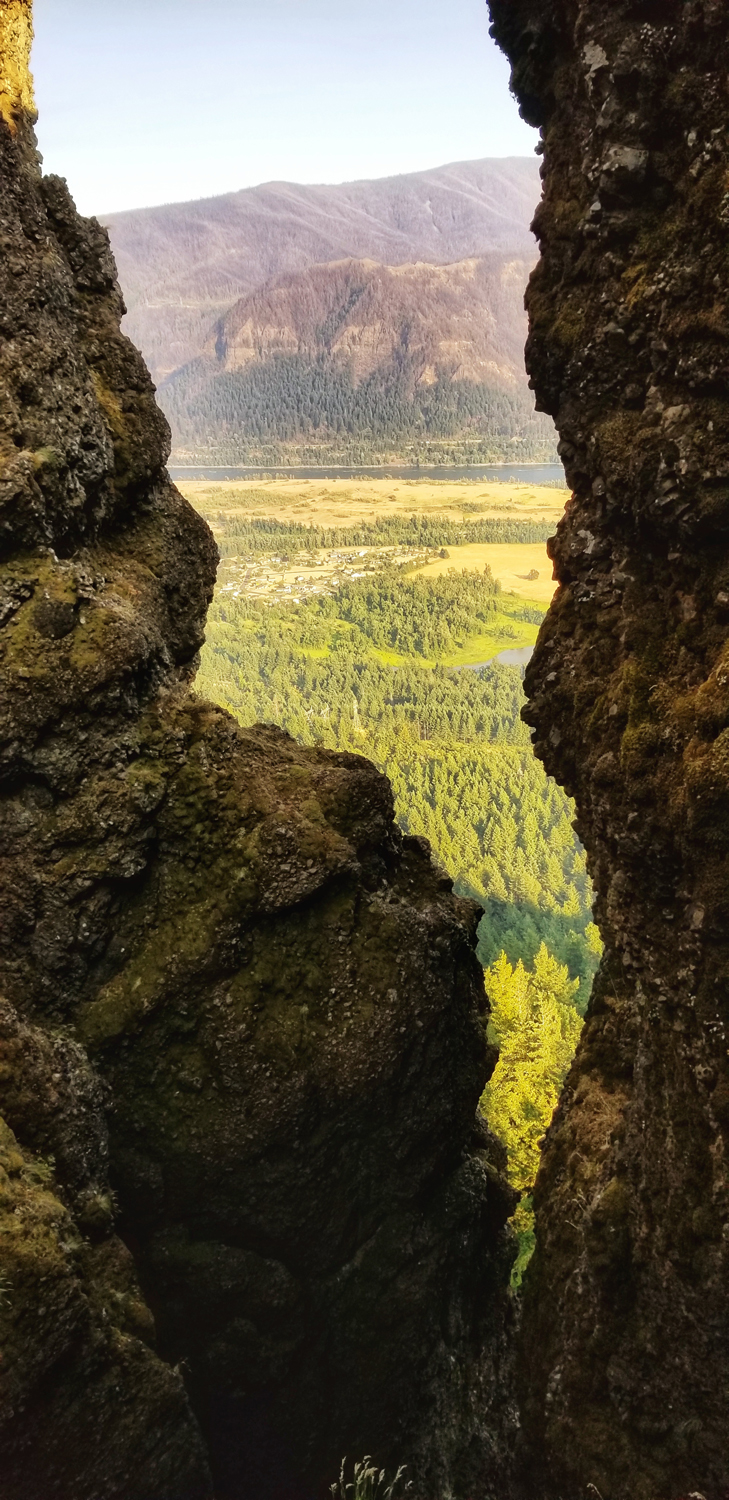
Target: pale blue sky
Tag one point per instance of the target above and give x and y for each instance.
(152, 101)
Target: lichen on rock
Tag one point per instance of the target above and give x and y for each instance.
(86, 1406)
(242, 1033)
(16, 83)
(625, 1380)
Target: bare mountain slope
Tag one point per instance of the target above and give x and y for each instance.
(184, 265)
(466, 320)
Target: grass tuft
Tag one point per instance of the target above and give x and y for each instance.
(369, 1483)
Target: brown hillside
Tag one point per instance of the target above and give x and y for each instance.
(466, 320)
(184, 265)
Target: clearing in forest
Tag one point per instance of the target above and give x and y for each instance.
(511, 563)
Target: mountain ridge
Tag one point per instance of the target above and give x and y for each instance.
(182, 266)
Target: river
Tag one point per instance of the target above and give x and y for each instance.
(514, 656)
(552, 474)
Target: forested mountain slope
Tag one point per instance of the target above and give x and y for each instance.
(184, 265)
(360, 352)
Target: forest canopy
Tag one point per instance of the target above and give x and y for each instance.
(359, 670)
(244, 536)
(313, 403)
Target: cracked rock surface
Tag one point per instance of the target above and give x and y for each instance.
(625, 1349)
(249, 1218)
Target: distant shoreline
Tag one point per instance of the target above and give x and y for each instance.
(363, 468)
(551, 473)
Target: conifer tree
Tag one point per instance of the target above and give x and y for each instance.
(535, 1023)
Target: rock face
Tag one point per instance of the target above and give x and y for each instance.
(86, 1406)
(241, 1038)
(625, 1359)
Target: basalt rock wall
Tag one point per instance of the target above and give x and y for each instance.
(625, 1350)
(249, 1219)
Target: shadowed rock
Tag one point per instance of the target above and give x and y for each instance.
(625, 1358)
(233, 992)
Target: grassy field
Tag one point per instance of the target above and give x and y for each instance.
(339, 502)
(506, 635)
(510, 564)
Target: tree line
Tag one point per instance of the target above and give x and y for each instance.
(297, 398)
(264, 536)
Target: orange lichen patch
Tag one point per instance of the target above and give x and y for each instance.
(16, 82)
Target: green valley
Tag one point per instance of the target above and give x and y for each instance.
(365, 637)
(374, 668)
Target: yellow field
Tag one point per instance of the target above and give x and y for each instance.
(509, 564)
(339, 502)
